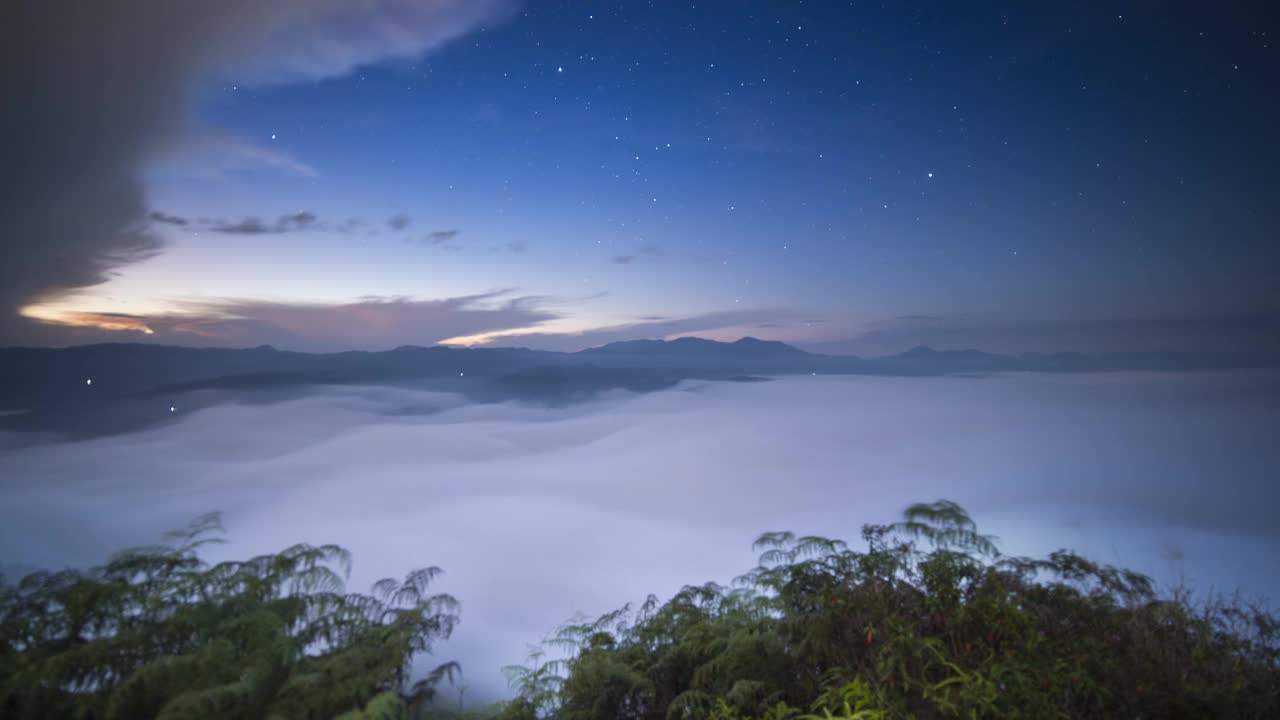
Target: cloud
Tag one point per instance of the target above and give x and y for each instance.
(300, 40)
(168, 219)
(268, 157)
(369, 323)
(438, 238)
(215, 154)
(399, 222)
(496, 318)
(648, 249)
(106, 89)
(441, 237)
(536, 513)
(293, 222)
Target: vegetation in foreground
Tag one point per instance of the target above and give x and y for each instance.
(929, 621)
(159, 633)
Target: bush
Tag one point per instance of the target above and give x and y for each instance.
(158, 633)
(953, 630)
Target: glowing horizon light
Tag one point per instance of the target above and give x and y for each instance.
(81, 318)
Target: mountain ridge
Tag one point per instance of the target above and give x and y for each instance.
(113, 387)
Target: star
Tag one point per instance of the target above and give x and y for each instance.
(88, 381)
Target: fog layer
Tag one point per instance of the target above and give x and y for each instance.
(537, 513)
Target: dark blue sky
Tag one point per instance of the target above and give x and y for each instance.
(850, 176)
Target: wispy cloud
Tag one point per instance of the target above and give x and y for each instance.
(293, 222)
(168, 219)
(648, 249)
(217, 155)
(441, 237)
(371, 323)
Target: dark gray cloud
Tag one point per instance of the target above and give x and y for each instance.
(399, 222)
(622, 259)
(74, 208)
(169, 219)
(293, 222)
(105, 89)
(502, 495)
(439, 238)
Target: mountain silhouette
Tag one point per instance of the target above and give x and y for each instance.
(116, 387)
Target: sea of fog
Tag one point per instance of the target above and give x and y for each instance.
(537, 513)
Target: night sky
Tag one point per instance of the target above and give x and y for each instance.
(848, 177)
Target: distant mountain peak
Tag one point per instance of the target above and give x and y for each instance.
(924, 351)
(691, 344)
(919, 351)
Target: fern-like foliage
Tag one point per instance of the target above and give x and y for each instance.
(929, 621)
(159, 633)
